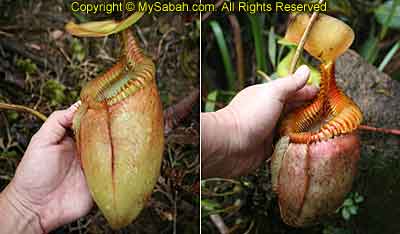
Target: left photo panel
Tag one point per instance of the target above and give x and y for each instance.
(99, 118)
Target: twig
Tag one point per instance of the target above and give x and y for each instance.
(303, 39)
(219, 223)
(15, 47)
(216, 179)
(164, 36)
(5, 177)
(23, 108)
(6, 34)
(263, 75)
(176, 113)
(383, 130)
(175, 211)
(250, 227)
(207, 14)
(239, 48)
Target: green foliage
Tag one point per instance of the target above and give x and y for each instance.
(9, 154)
(389, 56)
(284, 66)
(12, 115)
(54, 90)
(209, 206)
(342, 6)
(211, 100)
(257, 24)
(388, 14)
(221, 199)
(272, 46)
(350, 206)
(335, 230)
(369, 49)
(27, 66)
(78, 51)
(226, 58)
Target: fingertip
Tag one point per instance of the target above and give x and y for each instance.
(303, 70)
(75, 106)
(69, 113)
(302, 73)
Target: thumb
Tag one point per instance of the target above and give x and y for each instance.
(55, 127)
(284, 87)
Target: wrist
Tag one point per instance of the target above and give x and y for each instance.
(15, 216)
(220, 141)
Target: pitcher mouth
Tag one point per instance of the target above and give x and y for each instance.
(330, 114)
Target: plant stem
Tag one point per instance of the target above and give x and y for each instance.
(389, 18)
(20, 108)
(263, 75)
(303, 40)
(219, 223)
(382, 130)
(207, 14)
(239, 49)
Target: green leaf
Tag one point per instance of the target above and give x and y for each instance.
(211, 100)
(359, 199)
(369, 50)
(353, 210)
(342, 6)
(283, 67)
(26, 65)
(256, 22)
(272, 46)
(209, 205)
(346, 214)
(102, 28)
(389, 56)
(78, 52)
(54, 90)
(388, 14)
(283, 41)
(348, 202)
(12, 115)
(10, 154)
(226, 58)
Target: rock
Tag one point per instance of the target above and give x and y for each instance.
(378, 181)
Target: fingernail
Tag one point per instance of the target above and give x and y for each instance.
(302, 71)
(75, 106)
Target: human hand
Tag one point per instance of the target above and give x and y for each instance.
(49, 184)
(238, 138)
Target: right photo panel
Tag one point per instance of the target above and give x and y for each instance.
(299, 117)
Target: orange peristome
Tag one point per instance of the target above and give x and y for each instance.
(328, 38)
(341, 114)
(120, 135)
